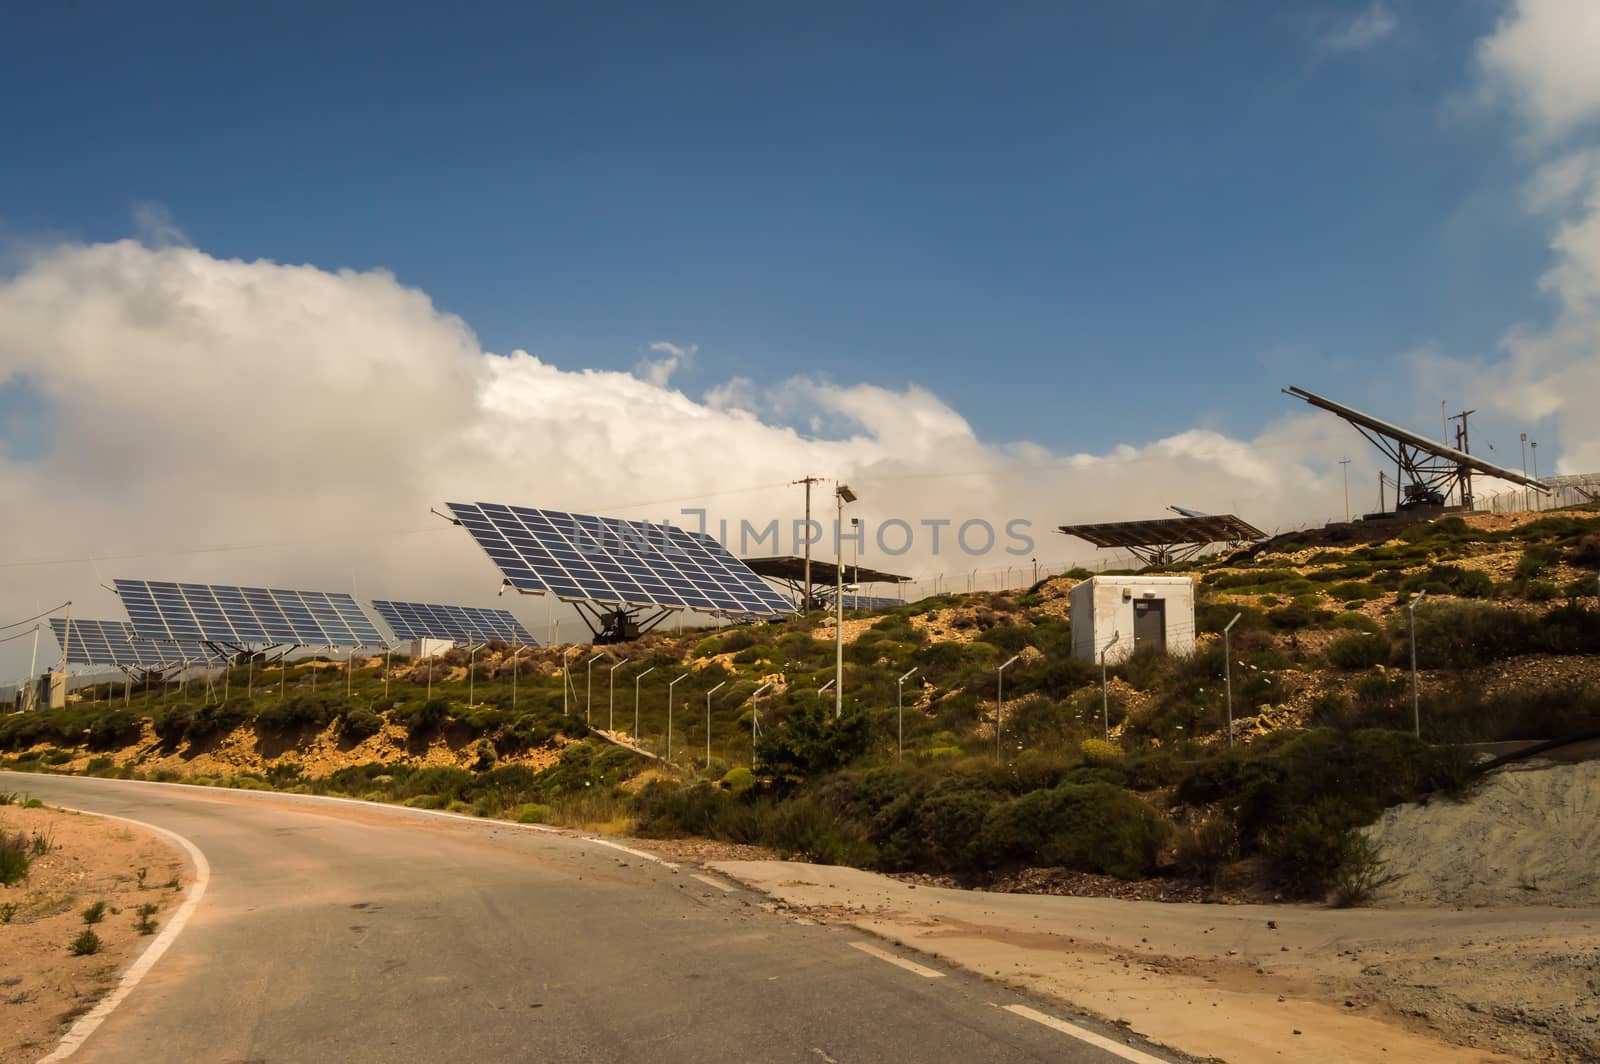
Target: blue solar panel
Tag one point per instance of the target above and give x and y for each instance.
(87, 642)
(459, 624)
(611, 561)
(245, 615)
(870, 602)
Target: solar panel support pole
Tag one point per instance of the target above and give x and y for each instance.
(841, 495)
(709, 693)
(349, 673)
(472, 686)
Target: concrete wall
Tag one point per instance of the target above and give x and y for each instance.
(1102, 608)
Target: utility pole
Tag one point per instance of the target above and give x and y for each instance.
(1345, 463)
(1463, 444)
(806, 595)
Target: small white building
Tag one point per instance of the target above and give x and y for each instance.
(1135, 611)
(429, 648)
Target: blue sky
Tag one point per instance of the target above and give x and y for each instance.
(1181, 206)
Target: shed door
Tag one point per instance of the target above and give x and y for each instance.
(1150, 623)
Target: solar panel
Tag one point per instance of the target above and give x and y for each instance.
(580, 557)
(870, 602)
(460, 624)
(245, 615)
(116, 643)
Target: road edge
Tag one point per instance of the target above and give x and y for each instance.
(90, 1021)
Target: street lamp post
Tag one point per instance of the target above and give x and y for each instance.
(1344, 464)
(637, 677)
(670, 686)
(824, 689)
(755, 720)
(1416, 698)
(1227, 669)
(1105, 697)
(1000, 700)
(841, 495)
(900, 713)
(588, 686)
(709, 693)
(611, 695)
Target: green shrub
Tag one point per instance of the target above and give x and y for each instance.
(1356, 622)
(114, 730)
(86, 943)
(533, 813)
(1359, 651)
(14, 857)
(95, 913)
(1092, 827)
(1206, 848)
(294, 714)
(426, 719)
(737, 780)
(811, 742)
(1308, 853)
(358, 725)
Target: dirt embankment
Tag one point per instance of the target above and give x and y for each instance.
(1528, 835)
(1250, 984)
(81, 860)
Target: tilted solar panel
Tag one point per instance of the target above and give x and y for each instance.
(581, 557)
(244, 615)
(460, 624)
(870, 602)
(86, 642)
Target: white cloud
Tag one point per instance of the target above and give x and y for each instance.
(1541, 59)
(659, 371)
(1544, 55)
(154, 225)
(1360, 31)
(306, 420)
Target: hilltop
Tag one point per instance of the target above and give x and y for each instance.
(1508, 642)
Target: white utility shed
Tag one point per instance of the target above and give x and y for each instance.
(1136, 611)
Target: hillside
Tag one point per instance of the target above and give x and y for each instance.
(1508, 642)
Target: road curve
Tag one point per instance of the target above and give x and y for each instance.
(337, 931)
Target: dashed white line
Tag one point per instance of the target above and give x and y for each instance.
(92, 1019)
(1083, 1035)
(898, 962)
(708, 881)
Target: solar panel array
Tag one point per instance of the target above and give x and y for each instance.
(870, 602)
(246, 615)
(608, 560)
(461, 624)
(116, 643)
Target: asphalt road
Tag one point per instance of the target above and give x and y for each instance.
(350, 932)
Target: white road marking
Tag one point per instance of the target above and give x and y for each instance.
(708, 881)
(1083, 1035)
(92, 1019)
(898, 962)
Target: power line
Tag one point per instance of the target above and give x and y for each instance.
(37, 616)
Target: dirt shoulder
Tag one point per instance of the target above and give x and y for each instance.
(85, 859)
(1249, 983)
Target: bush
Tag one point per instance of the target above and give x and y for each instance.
(359, 724)
(533, 813)
(426, 719)
(1092, 827)
(1204, 850)
(114, 730)
(14, 857)
(86, 943)
(1359, 651)
(1100, 752)
(1308, 854)
(1356, 622)
(289, 715)
(811, 742)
